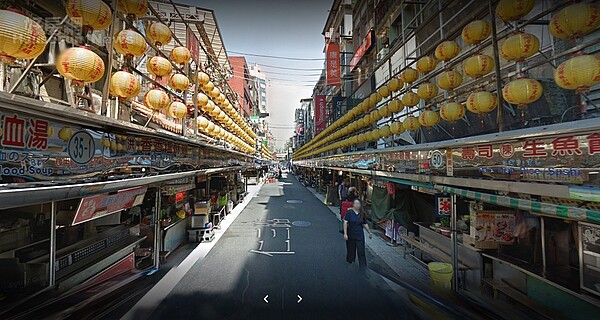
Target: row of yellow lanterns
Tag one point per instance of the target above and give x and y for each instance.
(211, 129)
(577, 73)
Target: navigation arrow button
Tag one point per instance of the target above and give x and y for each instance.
(299, 298)
(265, 298)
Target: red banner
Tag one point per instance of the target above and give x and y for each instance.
(363, 48)
(104, 204)
(193, 46)
(332, 51)
(319, 113)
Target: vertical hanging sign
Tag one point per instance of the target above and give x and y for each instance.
(193, 46)
(332, 50)
(319, 113)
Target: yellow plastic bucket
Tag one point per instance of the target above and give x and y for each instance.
(440, 274)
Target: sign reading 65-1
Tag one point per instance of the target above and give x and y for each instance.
(81, 147)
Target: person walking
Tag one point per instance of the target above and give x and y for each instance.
(354, 223)
(343, 190)
(352, 194)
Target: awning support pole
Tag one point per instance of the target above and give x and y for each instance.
(157, 233)
(52, 257)
(454, 243)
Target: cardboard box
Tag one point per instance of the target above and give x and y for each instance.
(202, 207)
(490, 228)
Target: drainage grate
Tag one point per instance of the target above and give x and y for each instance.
(301, 223)
(295, 201)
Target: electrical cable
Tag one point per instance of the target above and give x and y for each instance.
(288, 68)
(275, 57)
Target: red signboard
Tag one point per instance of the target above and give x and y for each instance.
(319, 113)
(104, 204)
(126, 264)
(332, 50)
(365, 45)
(192, 45)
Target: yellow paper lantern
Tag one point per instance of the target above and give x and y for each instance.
(215, 111)
(221, 116)
(411, 123)
(202, 78)
(427, 91)
(396, 127)
(476, 31)
(180, 55)
(452, 111)
(409, 75)
(449, 80)
(159, 66)
(522, 92)
(395, 84)
(429, 118)
(385, 131)
(202, 99)
(578, 73)
(395, 106)
(130, 43)
(177, 110)
(575, 21)
(410, 99)
(208, 87)
(384, 112)
(159, 34)
(481, 102)
(89, 14)
(80, 65)
(375, 116)
(375, 98)
(124, 85)
(447, 50)
(214, 93)
(20, 37)
(519, 47)
(133, 7)
(384, 91)
(216, 131)
(511, 10)
(478, 65)
(376, 135)
(426, 64)
(179, 82)
(202, 123)
(156, 99)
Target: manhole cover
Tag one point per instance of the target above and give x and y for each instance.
(301, 223)
(295, 201)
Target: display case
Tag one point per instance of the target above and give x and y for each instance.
(589, 257)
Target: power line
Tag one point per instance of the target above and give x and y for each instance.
(287, 68)
(276, 57)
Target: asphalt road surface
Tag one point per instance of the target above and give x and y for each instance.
(283, 258)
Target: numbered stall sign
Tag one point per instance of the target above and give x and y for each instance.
(81, 147)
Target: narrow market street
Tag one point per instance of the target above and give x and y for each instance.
(282, 255)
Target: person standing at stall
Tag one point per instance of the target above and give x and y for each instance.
(343, 190)
(355, 221)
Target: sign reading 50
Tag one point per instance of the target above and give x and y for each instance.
(81, 147)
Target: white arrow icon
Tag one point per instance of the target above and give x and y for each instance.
(299, 298)
(265, 298)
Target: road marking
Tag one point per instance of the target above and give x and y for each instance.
(261, 244)
(288, 244)
(272, 253)
(265, 298)
(288, 232)
(299, 298)
(258, 236)
(274, 233)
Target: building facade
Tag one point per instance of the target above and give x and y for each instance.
(242, 83)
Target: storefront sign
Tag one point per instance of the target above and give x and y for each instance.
(443, 205)
(364, 47)
(102, 205)
(569, 159)
(320, 115)
(332, 75)
(559, 159)
(37, 150)
(192, 45)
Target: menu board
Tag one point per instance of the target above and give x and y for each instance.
(589, 235)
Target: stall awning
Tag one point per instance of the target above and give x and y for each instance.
(409, 182)
(546, 209)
